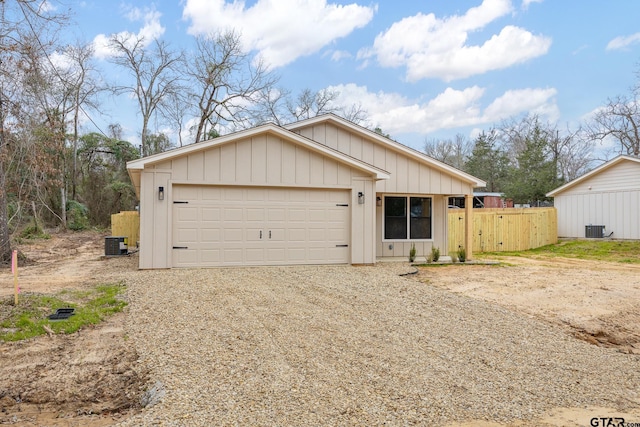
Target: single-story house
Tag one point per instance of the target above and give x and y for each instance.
(318, 191)
(603, 202)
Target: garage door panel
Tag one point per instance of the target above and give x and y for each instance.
(297, 215)
(186, 257)
(254, 255)
(233, 235)
(317, 235)
(335, 235)
(232, 256)
(210, 214)
(276, 255)
(297, 254)
(336, 215)
(185, 192)
(255, 214)
(211, 195)
(187, 213)
(256, 226)
(298, 196)
(277, 214)
(210, 235)
(317, 215)
(188, 236)
(254, 234)
(209, 256)
(297, 235)
(233, 194)
(233, 214)
(255, 195)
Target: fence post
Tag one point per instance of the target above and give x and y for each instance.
(468, 226)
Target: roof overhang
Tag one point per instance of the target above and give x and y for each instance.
(592, 173)
(135, 167)
(394, 145)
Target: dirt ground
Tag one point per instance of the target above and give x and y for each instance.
(595, 301)
(92, 378)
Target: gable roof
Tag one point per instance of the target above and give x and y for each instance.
(603, 167)
(135, 167)
(386, 142)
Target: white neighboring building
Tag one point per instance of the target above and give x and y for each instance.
(606, 198)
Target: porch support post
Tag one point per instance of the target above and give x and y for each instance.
(468, 226)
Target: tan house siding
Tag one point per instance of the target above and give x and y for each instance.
(263, 160)
(154, 219)
(408, 176)
(324, 158)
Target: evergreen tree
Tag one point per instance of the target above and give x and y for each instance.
(488, 161)
(535, 172)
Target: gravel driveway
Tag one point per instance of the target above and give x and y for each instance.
(288, 346)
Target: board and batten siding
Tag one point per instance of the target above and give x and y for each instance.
(408, 175)
(610, 198)
(620, 177)
(618, 211)
(263, 160)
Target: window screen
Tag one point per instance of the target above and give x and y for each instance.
(395, 218)
(420, 222)
(398, 225)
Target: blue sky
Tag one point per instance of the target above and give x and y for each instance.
(421, 69)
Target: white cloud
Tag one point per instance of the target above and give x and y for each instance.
(623, 42)
(527, 3)
(338, 55)
(151, 29)
(452, 108)
(535, 101)
(280, 30)
(438, 48)
(61, 60)
(46, 6)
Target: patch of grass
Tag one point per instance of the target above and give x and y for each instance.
(29, 318)
(624, 251)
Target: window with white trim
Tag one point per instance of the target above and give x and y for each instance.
(407, 218)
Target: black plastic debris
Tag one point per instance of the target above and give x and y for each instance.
(62, 314)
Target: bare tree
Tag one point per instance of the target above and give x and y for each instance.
(453, 152)
(176, 109)
(569, 152)
(155, 76)
(572, 151)
(271, 107)
(25, 25)
(81, 86)
(227, 82)
(280, 107)
(619, 120)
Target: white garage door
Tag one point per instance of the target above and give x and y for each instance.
(220, 226)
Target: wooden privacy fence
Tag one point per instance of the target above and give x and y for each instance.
(126, 224)
(508, 229)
